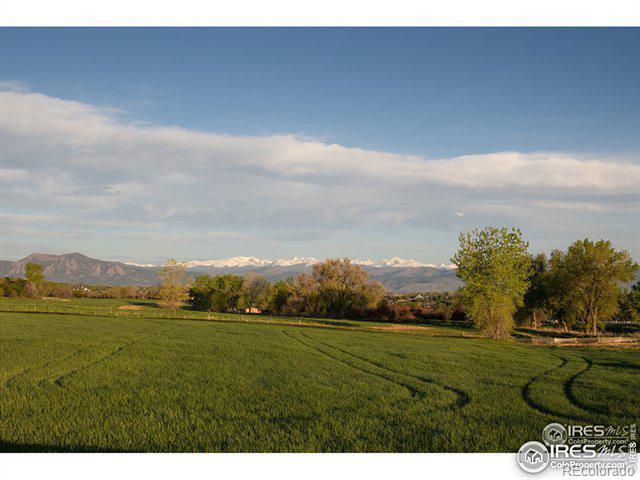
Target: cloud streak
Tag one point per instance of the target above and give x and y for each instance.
(61, 155)
(98, 138)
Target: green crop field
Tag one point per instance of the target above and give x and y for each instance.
(87, 375)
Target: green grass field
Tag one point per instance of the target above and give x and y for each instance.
(95, 377)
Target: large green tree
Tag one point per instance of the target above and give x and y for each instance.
(173, 287)
(560, 293)
(217, 294)
(590, 273)
(255, 291)
(201, 293)
(279, 295)
(305, 296)
(630, 304)
(494, 265)
(34, 274)
(345, 288)
(536, 298)
(335, 288)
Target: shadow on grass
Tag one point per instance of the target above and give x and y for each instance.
(523, 332)
(324, 321)
(12, 447)
(143, 304)
(444, 324)
(626, 365)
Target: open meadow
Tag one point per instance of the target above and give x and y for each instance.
(109, 375)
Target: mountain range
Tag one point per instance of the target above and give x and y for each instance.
(396, 274)
(294, 261)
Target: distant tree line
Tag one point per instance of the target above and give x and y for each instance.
(504, 285)
(335, 288)
(444, 307)
(34, 285)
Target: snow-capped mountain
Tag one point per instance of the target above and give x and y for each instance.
(397, 262)
(288, 262)
(231, 262)
(451, 266)
(400, 262)
(364, 263)
(240, 262)
(143, 265)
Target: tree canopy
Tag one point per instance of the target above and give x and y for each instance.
(255, 290)
(494, 265)
(587, 278)
(34, 273)
(536, 299)
(345, 288)
(173, 285)
(217, 294)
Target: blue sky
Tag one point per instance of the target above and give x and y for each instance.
(294, 141)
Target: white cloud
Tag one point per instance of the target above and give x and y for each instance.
(587, 206)
(91, 137)
(13, 174)
(14, 86)
(27, 218)
(86, 163)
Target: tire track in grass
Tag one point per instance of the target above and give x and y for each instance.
(571, 396)
(624, 365)
(11, 378)
(59, 380)
(526, 393)
(526, 389)
(414, 392)
(463, 397)
(44, 381)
